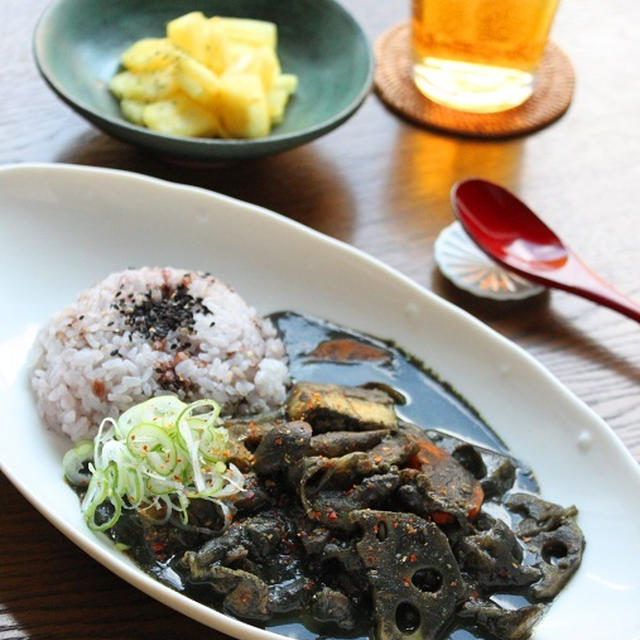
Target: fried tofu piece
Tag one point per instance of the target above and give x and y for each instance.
(330, 407)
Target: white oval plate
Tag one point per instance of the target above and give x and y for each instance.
(65, 227)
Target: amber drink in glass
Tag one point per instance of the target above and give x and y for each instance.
(479, 55)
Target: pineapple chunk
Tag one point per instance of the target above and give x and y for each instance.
(147, 86)
(197, 81)
(185, 33)
(287, 81)
(199, 38)
(277, 100)
(261, 61)
(216, 47)
(256, 33)
(149, 54)
(239, 58)
(284, 85)
(132, 110)
(181, 116)
(242, 106)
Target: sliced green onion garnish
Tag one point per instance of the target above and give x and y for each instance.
(75, 462)
(153, 443)
(156, 457)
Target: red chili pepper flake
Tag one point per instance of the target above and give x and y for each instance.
(333, 515)
(158, 546)
(406, 580)
(371, 559)
(413, 557)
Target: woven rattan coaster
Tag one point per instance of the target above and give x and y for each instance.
(394, 84)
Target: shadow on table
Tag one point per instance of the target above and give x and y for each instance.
(301, 184)
(535, 317)
(58, 592)
(425, 165)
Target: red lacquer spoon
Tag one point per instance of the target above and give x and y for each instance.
(513, 235)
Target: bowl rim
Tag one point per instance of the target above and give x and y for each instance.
(98, 117)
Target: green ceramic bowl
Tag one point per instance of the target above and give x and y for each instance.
(78, 43)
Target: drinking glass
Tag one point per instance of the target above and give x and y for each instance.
(479, 55)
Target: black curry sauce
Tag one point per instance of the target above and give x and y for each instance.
(322, 352)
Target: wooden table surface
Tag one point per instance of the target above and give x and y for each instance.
(381, 185)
